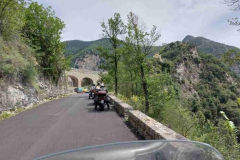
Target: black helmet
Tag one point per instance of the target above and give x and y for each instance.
(93, 84)
(99, 83)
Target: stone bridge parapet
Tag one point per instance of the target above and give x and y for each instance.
(76, 77)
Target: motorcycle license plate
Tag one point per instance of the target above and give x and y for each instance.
(102, 101)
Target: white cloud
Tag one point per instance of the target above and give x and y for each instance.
(176, 18)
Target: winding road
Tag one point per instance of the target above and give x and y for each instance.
(60, 125)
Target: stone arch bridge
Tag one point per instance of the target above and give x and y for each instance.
(79, 78)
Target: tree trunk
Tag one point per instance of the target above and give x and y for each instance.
(136, 84)
(136, 90)
(145, 89)
(131, 78)
(116, 78)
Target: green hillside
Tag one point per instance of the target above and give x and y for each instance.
(188, 91)
(207, 87)
(75, 46)
(208, 46)
(215, 84)
(78, 49)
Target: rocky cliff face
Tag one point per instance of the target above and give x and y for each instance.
(188, 73)
(14, 93)
(90, 61)
(208, 46)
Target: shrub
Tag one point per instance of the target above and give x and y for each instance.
(13, 57)
(5, 115)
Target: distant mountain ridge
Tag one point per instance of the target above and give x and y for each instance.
(85, 56)
(74, 46)
(208, 46)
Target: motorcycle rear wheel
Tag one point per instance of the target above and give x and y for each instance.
(101, 107)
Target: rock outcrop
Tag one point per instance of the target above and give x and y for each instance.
(90, 61)
(14, 93)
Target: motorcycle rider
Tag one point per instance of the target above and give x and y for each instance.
(91, 93)
(98, 86)
(102, 88)
(93, 86)
(96, 89)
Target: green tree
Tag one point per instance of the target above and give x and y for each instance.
(141, 43)
(130, 65)
(44, 30)
(231, 57)
(11, 17)
(113, 30)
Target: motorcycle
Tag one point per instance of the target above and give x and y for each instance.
(91, 94)
(101, 100)
(142, 150)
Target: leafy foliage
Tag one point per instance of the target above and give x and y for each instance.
(231, 57)
(16, 59)
(199, 117)
(30, 41)
(11, 17)
(139, 42)
(43, 29)
(113, 30)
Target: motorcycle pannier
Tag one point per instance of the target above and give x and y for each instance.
(102, 93)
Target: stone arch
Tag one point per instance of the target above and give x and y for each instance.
(74, 80)
(78, 75)
(86, 81)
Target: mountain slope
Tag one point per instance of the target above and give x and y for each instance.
(84, 53)
(205, 82)
(85, 56)
(74, 46)
(208, 46)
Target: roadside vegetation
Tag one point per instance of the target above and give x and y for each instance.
(30, 42)
(200, 102)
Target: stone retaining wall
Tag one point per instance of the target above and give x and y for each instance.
(150, 129)
(147, 127)
(122, 108)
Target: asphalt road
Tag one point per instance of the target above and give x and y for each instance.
(60, 125)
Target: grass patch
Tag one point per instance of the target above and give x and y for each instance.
(6, 115)
(19, 110)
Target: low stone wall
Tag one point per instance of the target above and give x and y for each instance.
(122, 108)
(147, 127)
(150, 128)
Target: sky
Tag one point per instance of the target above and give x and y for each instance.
(174, 18)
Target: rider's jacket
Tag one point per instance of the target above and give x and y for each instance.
(103, 89)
